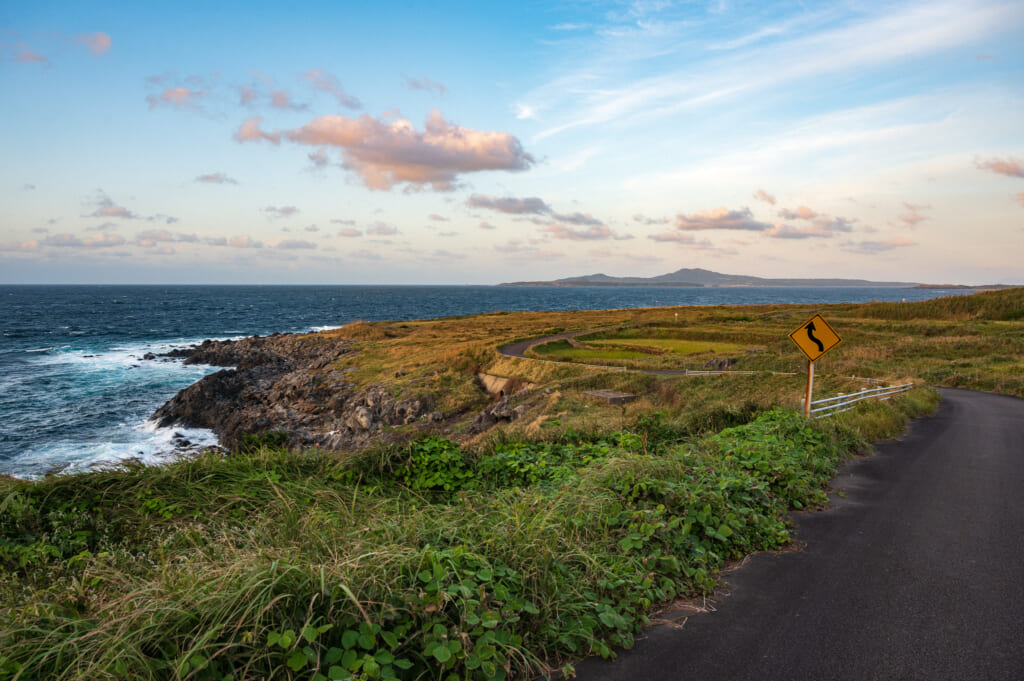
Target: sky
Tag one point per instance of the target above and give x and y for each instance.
(479, 143)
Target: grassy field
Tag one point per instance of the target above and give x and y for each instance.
(491, 556)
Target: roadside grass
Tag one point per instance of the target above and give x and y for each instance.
(425, 561)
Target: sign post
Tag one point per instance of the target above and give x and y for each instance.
(814, 338)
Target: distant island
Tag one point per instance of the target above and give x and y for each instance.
(700, 277)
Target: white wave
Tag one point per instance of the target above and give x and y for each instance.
(145, 443)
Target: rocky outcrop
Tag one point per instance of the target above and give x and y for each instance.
(286, 383)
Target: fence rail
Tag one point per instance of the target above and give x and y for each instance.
(840, 403)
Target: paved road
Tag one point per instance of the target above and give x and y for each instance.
(918, 573)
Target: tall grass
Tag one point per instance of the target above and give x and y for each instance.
(415, 562)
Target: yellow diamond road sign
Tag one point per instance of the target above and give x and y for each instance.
(815, 337)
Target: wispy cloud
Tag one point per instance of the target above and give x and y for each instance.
(216, 178)
(277, 212)
(801, 213)
(23, 53)
(511, 205)
(577, 218)
(593, 233)
(177, 97)
(644, 220)
(295, 244)
(486, 225)
(382, 229)
(876, 247)
(94, 241)
(106, 208)
(720, 218)
(913, 215)
(682, 239)
(350, 232)
(871, 37)
(322, 81)
(1010, 167)
(385, 152)
(244, 242)
(1020, 198)
(822, 226)
(517, 249)
(762, 195)
(425, 83)
(19, 246)
(97, 43)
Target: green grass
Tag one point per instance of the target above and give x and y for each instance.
(680, 346)
(427, 561)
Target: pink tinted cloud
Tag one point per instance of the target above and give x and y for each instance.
(96, 43)
(762, 195)
(24, 54)
(385, 152)
(486, 225)
(106, 208)
(913, 215)
(350, 233)
(1010, 167)
(585, 219)
(801, 213)
(244, 242)
(720, 218)
(327, 82)
(247, 95)
(250, 132)
(280, 99)
(177, 97)
(1020, 198)
(32, 245)
(425, 84)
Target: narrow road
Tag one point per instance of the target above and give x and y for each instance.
(915, 572)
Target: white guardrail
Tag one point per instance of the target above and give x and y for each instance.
(836, 405)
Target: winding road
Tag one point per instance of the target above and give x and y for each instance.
(916, 571)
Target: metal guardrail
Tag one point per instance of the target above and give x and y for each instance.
(845, 402)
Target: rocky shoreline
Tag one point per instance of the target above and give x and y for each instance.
(286, 383)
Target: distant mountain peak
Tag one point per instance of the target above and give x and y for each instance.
(697, 276)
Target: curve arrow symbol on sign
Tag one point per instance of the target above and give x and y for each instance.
(810, 334)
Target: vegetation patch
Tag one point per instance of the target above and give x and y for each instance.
(426, 561)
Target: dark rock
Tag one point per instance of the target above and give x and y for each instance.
(149, 355)
(285, 383)
(719, 364)
(502, 410)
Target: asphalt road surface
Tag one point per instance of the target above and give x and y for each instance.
(916, 572)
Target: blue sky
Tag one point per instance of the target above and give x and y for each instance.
(456, 143)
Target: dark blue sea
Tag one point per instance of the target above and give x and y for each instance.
(75, 393)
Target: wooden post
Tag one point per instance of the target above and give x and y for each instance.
(810, 389)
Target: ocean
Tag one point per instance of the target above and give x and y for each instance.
(76, 393)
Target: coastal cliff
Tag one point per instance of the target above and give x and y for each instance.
(289, 384)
